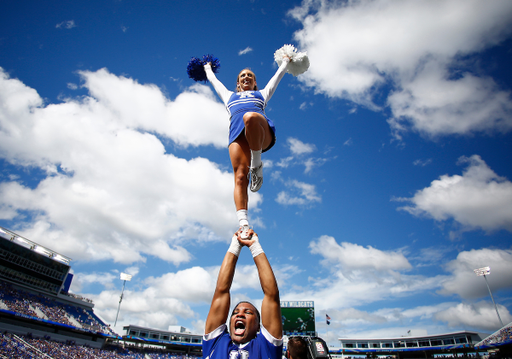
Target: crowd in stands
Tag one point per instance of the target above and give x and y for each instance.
(44, 307)
(14, 301)
(38, 306)
(504, 335)
(21, 347)
(79, 297)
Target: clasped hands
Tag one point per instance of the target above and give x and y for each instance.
(253, 237)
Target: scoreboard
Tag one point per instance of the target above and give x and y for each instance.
(298, 318)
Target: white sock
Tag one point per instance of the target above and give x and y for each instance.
(242, 217)
(255, 158)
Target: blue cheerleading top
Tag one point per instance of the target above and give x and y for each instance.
(238, 103)
(218, 345)
(247, 101)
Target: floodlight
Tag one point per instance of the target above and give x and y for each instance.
(483, 271)
(125, 276)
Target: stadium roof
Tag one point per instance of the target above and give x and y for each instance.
(27, 243)
(406, 337)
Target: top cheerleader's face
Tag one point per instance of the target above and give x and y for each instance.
(246, 81)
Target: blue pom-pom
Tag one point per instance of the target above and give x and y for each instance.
(213, 60)
(195, 70)
(195, 67)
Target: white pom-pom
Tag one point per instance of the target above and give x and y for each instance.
(299, 61)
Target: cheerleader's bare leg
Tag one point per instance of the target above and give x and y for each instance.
(259, 137)
(240, 155)
(257, 131)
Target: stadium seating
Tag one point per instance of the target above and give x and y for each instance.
(500, 338)
(46, 308)
(21, 347)
(49, 310)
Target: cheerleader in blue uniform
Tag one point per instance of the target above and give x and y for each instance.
(247, 335)
(251, 132)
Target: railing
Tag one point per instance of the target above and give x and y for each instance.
(27, 243)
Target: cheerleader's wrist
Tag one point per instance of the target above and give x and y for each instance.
(235, 246)
(255, 248)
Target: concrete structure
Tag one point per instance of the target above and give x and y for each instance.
(423, 346)
(178, 342)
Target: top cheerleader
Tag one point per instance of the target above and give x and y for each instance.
(251, 132)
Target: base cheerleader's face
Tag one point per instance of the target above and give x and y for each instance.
(244, 323)
(246, 81)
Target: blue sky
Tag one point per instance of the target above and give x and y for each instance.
(389, 183)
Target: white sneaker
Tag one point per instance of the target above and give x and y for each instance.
(256, 177)
(245, 232)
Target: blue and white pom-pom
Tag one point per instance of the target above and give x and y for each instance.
(195, 67)
(299, 61)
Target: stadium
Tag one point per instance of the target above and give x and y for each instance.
(39, 318)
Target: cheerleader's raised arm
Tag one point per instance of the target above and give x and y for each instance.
(221, 90)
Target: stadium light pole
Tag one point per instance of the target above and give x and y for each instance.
(125, 277)
(482, 272)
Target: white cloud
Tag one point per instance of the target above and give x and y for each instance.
(477, 199)
(298, 193)
(146, 308)
(432, 256)
(465, 283)
(352, 315)
(357, 47)
(363, 275)
(285, 162)
(350, 257)
(111, 191)
(305, 105)
(360, 275)
(422, 163)
(311, 163)
(436, 105)
(66, 24)
(155, 302)
(194, 284)
(461, 281)
(421, 320)
(146, 107)
(391, 315)
(83, 279)
(245, 51)
(479, 315)
(300, 152)
(297, 147)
